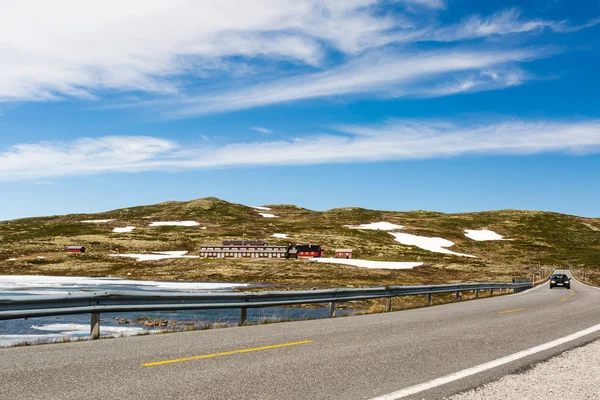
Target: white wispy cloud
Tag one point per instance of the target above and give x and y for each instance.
(381, 74)
(85, 49)
(260, 129)
(393, 140)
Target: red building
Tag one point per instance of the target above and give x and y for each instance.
(343, 253)
(309, 251)
(76, 249)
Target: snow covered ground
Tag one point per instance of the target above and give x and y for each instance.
(377, 226)
(31, 284)
(481, 235)
(175, 223)
(158, 255)
(266, 215)
(280, 235)
(434, 244)
(66, 332)
(124, 230)
(11, 259)
(97, 221)
(261, 208)
(370, 264)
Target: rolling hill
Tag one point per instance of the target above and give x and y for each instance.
(37, 245)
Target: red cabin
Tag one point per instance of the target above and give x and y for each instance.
(309, 251)
(76, 249)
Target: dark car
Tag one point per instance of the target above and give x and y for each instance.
(560, 280)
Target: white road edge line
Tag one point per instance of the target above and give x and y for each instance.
(486, 366)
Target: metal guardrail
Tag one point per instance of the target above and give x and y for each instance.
(99, 302)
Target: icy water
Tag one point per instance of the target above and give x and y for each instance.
(50, 329)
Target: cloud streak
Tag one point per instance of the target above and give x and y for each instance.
(94, 50)
(394, 140)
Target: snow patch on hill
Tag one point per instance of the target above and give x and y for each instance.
(261, 208)
(156, 256)
(124, 230)
(377, 226)
(266, 215)
(97, 221)
(280, 235)
(433, 244)
(175, 223)
(370, 264)
(481, 235)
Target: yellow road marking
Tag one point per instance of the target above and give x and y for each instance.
(563, 299)
(225, 353)
(509, 311)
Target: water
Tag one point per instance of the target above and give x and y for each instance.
(51, 329)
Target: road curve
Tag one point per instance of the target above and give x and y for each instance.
(359, 357)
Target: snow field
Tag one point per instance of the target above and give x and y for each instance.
(97, 221)
(158, 255)
(481, 235)
(124, 230)
(433, 244)
(24, 283)
(370, 264)
(175, 223)
(280, 235)
(377, 226)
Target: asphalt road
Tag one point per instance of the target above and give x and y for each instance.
(359, 357)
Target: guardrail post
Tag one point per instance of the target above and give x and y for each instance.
(491, 292)
(243, 315)
(457, 296)
(476, 293)
(388, 304)
(95, 326)
(332, 309)
(429, 299)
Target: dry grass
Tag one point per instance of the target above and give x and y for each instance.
(539, 238)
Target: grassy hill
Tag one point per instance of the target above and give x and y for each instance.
(544, 238)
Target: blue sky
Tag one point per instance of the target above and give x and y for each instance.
(444, 105)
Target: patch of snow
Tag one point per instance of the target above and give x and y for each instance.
(370, 264)
(40, 257)
(11, 259)
(265, 215)
(175, 223)
(84, 330)
(377, 226)
(280, 235)
(434, 244)
(124, 230)
(261, 208)
(51, 284)
(157, 255)
(97, 221)
(481, 235)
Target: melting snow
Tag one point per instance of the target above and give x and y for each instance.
(377, 226)
(280, 235)
(370, 264)
(97, 221)
(25, 283)
(261, 208)
(124, 230)
(434, 244)
(483, 235)
(11, 259)
(175, 223)
(268, 215)
(157, 255)
(84, 330)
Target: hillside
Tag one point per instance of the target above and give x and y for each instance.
(37, 245)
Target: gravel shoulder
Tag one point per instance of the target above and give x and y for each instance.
(573, 375)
